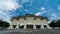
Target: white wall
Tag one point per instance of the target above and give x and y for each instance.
(30, 20)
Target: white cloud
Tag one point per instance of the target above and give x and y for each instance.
(58, 7)
(25, 0)
(6, 6)
(4, 16)
(42, 8)
(26, 10)
(54, 15)
(40, 13)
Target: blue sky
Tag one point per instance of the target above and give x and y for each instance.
(47, 8)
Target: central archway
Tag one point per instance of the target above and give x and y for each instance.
(29, 26)
(38, 26)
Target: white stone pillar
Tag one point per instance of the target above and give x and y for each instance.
(17, 26)
(42, 27)
(49, 27)
(24, 26)
(34, 26)
(11, 25)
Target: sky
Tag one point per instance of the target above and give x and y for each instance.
(46, 8)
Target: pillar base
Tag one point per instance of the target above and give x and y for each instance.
(24, 26)
(11, 27)
(17, 27)
(49, 27)
(42, 27)
(34, 27)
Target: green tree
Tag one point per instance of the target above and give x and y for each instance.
(55, 23)
(4, 24)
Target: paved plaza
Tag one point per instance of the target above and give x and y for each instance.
(27, 31)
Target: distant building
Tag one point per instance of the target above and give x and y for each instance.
(29, 21)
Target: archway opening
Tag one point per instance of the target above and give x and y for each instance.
(38, 26)
(21, 26)
(44, 26)
(14, 26)
(29, 26)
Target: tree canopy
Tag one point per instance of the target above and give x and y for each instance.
(55, 23)
(4, 24)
